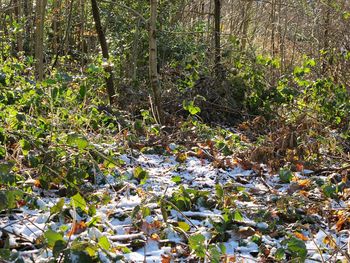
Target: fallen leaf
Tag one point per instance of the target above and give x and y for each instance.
(328, 240)
(77, 228)
(166, 259)
(304, 183)
(301, 236)
(339, 225)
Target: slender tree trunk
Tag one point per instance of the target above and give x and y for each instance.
(246, 21)
(81, 31)
(39, 38)
(153, 69)
(326, 33)
(217, 37)
(18, 15)
(28, 11)
(105, 54)
(273, 30)
(56, 26)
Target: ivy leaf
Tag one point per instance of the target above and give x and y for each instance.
(58, 247)
(184, 226)
(197, 244)
(140, 174)
(329, 191)
(5, 173)
(52, 237)
(176, 179)
(297, 248)
(219, 191)
(237, 216)
(280, 254)
(78, 201)
(285, 176)
(58, 207)
(103, 242)
(77, 140)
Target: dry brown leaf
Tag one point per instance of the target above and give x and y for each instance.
(166, 259)
(339, 225)
(301, 236)
(328, 240)
(77, 228)
(304, 182)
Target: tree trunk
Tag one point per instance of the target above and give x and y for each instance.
(28, 11)
(153, 70)
(217, 37)
(18, 15)
(246, 21)
(39, 38)
(105, 54)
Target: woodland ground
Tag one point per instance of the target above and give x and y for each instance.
(169, 204)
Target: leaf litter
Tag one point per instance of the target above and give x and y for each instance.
(162, 208)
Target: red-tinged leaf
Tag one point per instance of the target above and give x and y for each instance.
(21, 203)
(301, 236)
(299, 167)
(166, 259)
(339, 225)
(37, 183)
(77, 228)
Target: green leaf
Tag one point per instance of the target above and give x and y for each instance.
(77, 140)
(57, 208)
(215, 254)
(140, 174)
(197, 244)
(184, 226)
(176, 179)
(219, 191)
(237, 216)
(285, 175)
(164, 210)
(189, 106)
(5, 173)
(2, 151)
(59, 246)
(78, 201)
(52, 237)
(330, 190)
(103, 242)
(280, 254)
(297, 248)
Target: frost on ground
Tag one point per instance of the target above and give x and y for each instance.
(161, 209)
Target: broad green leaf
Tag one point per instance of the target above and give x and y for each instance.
(280, 254)
(2, 151)
(330, 191)
(57, 208)
(197, 244)
(52, 237)
(78, 201)
(297, 248)
(176, 179)
(184, 226)
(285, 176)
(219, 191)
(5, 173)
(140, 174)
(103, 242)
(59, 246)
(215, 254)
(164, 211)
(237, 216)
(77, 140)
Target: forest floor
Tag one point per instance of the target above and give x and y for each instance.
(181, 207)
